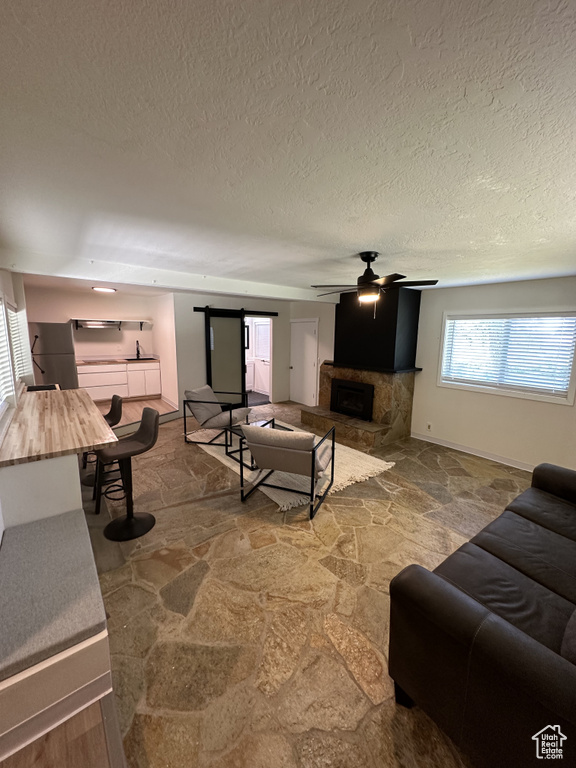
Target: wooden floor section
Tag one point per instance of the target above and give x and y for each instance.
(132, 409)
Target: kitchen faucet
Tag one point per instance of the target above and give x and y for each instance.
(137, 350)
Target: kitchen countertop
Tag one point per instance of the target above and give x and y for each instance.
(54, 423)
(120, 360)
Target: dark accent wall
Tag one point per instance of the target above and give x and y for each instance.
(386, 342)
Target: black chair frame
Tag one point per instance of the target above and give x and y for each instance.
(112, 418)
(330, 435)
(226, 406)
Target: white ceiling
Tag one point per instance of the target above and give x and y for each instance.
(218, 144)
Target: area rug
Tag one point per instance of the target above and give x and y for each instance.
(350, 466)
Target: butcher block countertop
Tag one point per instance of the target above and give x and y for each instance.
(54, 423)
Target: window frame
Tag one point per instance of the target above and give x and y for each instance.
(7, 404)
(502, 390)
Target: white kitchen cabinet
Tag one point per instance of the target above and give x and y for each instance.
(136, 383)
(103, 381)
(146, 377)
(153, 382)
(250, 375)
(129, 379)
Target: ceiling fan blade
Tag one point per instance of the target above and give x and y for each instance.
(353, 289)
(337, 285)
(415, 282)
(387, 279)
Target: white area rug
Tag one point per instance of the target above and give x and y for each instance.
(350, 467)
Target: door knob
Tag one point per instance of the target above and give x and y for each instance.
(291, 367)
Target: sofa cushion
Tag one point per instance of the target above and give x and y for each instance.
(537, 552)
(516, 598)
(548, 511)
(568, 649)
(203, 411)
(50, 598)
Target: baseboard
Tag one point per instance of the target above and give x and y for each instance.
(474, 452)
(171, 416)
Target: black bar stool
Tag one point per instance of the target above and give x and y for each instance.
(112, 418)
(132, 525)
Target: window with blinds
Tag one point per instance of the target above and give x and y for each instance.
(521, 354)
(7, 393)
(262, 340)
(18, 340)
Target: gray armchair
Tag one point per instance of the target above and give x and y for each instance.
(212, 413)
(296, 453)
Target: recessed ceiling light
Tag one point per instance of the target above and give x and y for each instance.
(103, 290)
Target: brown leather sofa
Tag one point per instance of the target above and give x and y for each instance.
(486, 643)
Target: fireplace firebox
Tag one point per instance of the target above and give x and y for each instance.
(352, 398)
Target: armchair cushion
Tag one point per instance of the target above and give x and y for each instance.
(225, 418)
(279, 438)
(203, 411)
(286, 451)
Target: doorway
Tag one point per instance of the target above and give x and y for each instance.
(304, 361)
(239, 353)
(258, 359)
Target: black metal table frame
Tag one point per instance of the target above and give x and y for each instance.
(229, 433)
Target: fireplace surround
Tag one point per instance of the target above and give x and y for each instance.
(391, 407)
(352, 398)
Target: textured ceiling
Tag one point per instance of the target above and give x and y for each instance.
(209, 143)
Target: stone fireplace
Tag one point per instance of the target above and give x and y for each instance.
(374, 348)
(391, 407)
(352, 398)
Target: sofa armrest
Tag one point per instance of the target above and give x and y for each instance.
(488, 685)
(558, 481)
(432, 627)
(516, 687)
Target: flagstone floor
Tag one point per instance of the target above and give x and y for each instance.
(243, 637)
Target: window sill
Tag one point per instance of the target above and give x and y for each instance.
(567, 400)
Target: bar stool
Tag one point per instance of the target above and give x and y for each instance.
(132, 525)
(112, 418)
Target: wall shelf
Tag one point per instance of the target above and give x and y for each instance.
(100, 323)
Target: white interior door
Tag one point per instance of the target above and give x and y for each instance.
(262, 355)
(304, 361)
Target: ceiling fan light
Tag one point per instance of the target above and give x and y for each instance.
(368, 294)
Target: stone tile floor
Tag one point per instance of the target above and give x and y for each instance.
(244, 637)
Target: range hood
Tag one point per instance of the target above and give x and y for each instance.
(86, 323)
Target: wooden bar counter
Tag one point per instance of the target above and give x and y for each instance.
(54, 423)
(38, 456)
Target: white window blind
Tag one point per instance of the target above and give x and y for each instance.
(6, 377)
(522, 353)
(18, 339)
(262, 340)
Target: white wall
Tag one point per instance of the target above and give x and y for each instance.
(326, 314)
(190, 338)
(6, 286)
(49, 305)
(518, 431)
(164, 342)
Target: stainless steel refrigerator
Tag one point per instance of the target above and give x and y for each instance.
(53, 357)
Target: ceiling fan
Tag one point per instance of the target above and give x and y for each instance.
(369, 285)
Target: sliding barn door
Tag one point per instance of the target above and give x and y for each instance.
(225, 357)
